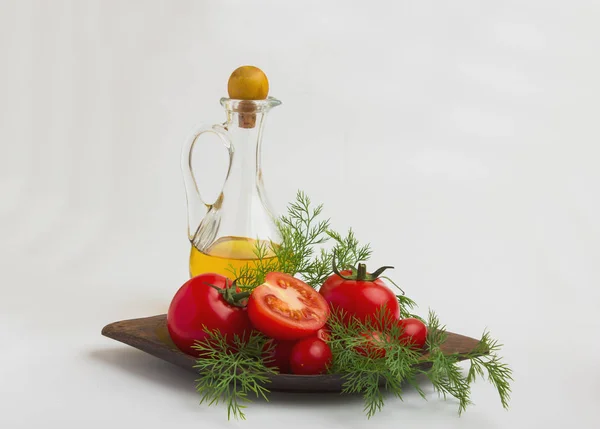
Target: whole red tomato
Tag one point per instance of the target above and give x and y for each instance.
(414, 332)
(285, 308)
(360, 294)
(207, 300)
(310, 356)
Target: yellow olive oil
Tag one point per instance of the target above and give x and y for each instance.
(224, 254)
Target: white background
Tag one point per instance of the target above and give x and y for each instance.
(458, 138)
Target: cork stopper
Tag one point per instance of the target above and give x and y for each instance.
(246, 114)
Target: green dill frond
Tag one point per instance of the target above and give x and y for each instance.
(347, 250)
(228, 373)
(436, 333)
(447, 379)
(484, 359)
(319, 269)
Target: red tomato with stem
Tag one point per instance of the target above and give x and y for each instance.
(310, 356)
(414, 332)
(211, 301)
(360, 294)
(285, 308)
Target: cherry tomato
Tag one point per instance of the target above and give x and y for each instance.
(359, 296)
(374, 347)
(277, 355)
(310, 356)
(286, 308)
(197, 304)
(414, 332)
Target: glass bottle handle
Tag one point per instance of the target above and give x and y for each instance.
(196, 206)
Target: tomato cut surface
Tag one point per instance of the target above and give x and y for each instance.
(286, 308)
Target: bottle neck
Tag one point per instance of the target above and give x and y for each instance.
(244, 182)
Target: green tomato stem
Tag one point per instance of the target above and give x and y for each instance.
(361, 273)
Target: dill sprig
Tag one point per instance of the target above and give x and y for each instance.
(301, 230)
(228, 373)
(347, 250)
(445, 373)
(485, 359)
(446, 376)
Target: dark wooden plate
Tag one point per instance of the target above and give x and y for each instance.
(150, 335)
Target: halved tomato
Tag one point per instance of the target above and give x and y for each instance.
(286, 308)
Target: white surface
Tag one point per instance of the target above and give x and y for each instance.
(468, 131)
